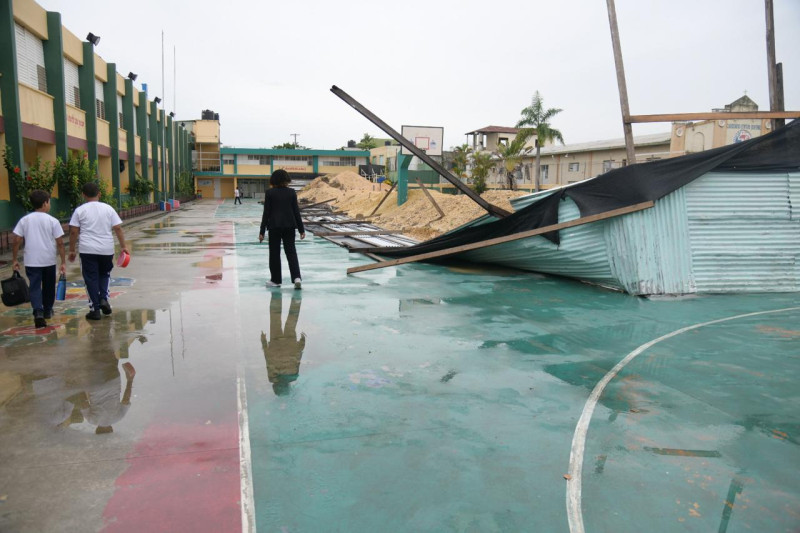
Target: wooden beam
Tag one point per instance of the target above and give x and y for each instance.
(630, 149)
(428, 195)
(344, 233)
(507, 238)
(673, 117)
(384, 198)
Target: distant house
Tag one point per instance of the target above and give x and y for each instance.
(490, 137)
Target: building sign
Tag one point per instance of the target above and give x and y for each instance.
(293, 168)
(75, 119)
(205, 183)
(741, 131)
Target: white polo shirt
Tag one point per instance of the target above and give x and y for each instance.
(40, 231)
(95, 219)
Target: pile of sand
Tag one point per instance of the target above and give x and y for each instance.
(416, 218)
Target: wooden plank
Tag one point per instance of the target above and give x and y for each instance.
(343, 233)
(384, 198)
(507, 238)
(428, 195)
(713, 116)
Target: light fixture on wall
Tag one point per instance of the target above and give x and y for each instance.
(157, 100)
(132, 76)
(172, 114)
(94, 39)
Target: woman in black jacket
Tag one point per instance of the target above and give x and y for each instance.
(281, 218)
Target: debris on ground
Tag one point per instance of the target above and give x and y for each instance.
(417, 218)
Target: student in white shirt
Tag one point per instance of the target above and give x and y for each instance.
(91, 229)
(237, 196)
(43, 238)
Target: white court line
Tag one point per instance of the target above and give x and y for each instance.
(246, 497)
(574, 510)
(245, 462)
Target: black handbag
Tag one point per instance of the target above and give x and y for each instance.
(15, 290)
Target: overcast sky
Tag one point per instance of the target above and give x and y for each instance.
(267, 67)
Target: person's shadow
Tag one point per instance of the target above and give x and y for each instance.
(283, 350)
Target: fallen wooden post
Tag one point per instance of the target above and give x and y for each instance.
(384, 198)
(507, 238)
(428, 195)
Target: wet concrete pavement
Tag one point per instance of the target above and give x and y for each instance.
(417, 398)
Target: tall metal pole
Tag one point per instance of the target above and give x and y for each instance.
(163, 125)
(772, 67)
(623, 89)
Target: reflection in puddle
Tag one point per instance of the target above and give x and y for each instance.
(283, 350)
(88, 389)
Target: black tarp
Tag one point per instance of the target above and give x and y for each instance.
(623, 187)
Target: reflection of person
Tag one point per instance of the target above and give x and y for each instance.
(93, 222)
(281, 218)
(103, 407)
(237, 196)
(43, 238)
(283, 350)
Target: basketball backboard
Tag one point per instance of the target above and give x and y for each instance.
(427, 138)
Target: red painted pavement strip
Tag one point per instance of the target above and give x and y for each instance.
(181, 478)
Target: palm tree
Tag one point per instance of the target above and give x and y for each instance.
(461, 160)
(481, 164)
(367, 142)
(537, 120)
(511, 154)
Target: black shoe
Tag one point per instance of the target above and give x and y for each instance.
(48, 313)
(105, 307)
(38, 319)
(93, 315)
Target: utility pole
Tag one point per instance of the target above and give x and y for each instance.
(295, 138)
(774, 70)
(623, 89)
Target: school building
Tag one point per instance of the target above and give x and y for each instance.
(59, 98)
(216, 176)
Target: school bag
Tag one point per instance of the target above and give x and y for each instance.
(15, 290)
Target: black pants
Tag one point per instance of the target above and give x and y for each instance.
(275, 237)
(96, 270)
(42, 287)
(237, 200)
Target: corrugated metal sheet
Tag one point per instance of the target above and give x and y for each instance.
(744, 232)
(582, 253)
(649, 251)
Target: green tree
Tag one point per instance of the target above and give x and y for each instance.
(41, 175)
(185, 184)
(511, 154)
(481, 165)
(140, 189)
(72, 175)
(289, 146)
(461, 160)
(536, 119)
(367, 142)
